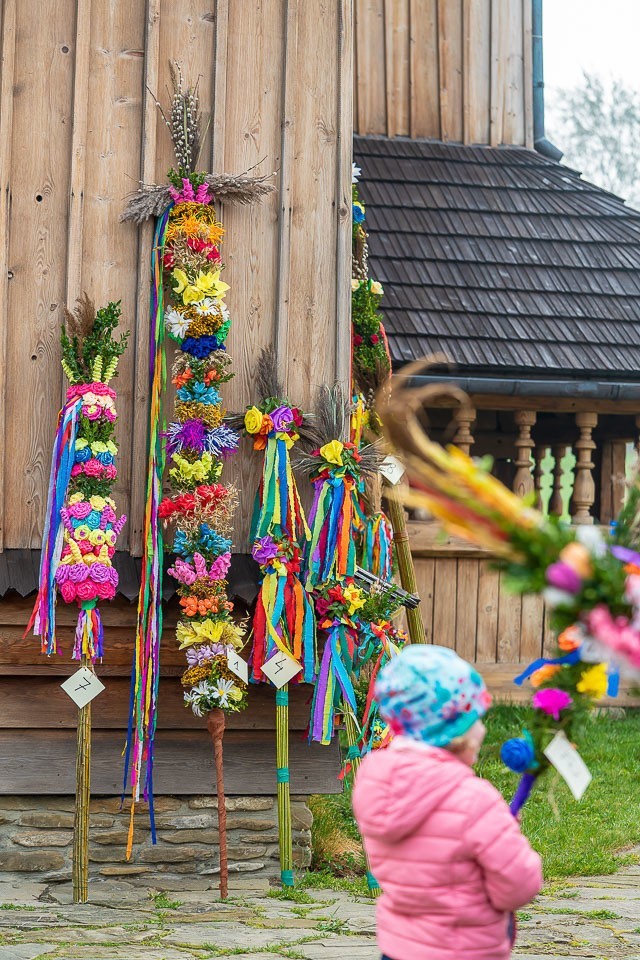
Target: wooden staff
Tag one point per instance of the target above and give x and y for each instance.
(284, 791)
(352, 740)
(215, 726)
(83, 794)
(406, 567)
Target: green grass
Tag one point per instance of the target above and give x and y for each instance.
(575, 839)
(162, 902)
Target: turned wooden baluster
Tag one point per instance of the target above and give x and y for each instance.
(464, 417)
(584, 489)
(523, 480)
(539, 454)
(555, 503)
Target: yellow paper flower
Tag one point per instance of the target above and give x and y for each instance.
(76, 498)
(208, 631)
(355, 285)
(99, 503)
(376, 287)
(353, 598)
(182, 280)
(332, 452)
(210, 284)
(593, 682)
(253, 420)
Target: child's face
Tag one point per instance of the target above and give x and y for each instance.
(474, 739)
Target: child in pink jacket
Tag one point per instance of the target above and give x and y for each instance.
(442, 843)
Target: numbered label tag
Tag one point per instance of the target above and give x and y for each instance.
(569, 764)
(280, 668)
(82, 686)
(238, 666)
(392, 470)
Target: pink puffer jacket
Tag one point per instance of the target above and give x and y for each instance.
(448, 854)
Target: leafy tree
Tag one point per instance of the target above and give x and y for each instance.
(597, 125)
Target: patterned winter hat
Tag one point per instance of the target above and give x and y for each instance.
(430, 694)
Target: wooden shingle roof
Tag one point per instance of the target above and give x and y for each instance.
(503, 260)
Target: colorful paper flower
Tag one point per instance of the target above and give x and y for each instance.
(552, 701)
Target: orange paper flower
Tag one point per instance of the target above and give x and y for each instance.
(544, 673)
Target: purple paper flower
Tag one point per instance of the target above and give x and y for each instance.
(626, 555)
(551, 700)
(563, 577)
(264, 550)
(282, 418)
(189, 435)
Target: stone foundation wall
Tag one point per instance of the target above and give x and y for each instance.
(36, 838)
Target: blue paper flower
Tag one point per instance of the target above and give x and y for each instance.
(518, 754)
(201, 347)
(82, 455)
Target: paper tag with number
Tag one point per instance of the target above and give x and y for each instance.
(238, 666)
(82, 686)
(569, 764)
(280, 668)
(392, 470)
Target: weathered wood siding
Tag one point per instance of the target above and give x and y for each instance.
(455, 70)
(79, 128)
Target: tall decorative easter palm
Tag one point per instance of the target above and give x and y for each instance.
(187, 268)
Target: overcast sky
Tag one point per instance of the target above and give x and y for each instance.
(599, 36)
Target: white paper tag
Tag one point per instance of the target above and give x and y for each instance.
(280, 668)
(238, 666)
(82, 686)
(569, 764)
(392, 470)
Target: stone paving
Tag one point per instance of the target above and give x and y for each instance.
(597, 917)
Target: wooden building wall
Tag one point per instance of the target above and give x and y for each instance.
(455, 70)
(78, 130)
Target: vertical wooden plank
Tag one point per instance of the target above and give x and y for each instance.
(467, 608)
(425, 572)
(141, 395)
(488, 608)
(509, 626)
(109, 248)
(7, 67)
(450, 68)
(78, 150)
(397, 54)
(344, 113)
(477, 70)
(514, 125)
(315, 217)
(40, 169)
(527, 15)
(444, 602)
(531, 635)
(249, 130)
(549, 644)
(618, 475)
(423, 52)
(370, 67)
(499, 12)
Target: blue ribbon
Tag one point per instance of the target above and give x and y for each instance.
(570, 658)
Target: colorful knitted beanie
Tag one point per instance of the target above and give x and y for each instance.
(430, 694)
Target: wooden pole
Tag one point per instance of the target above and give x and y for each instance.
(83, 795)
(215, 726)
(396, 514)
(284, 791)
(352, 740)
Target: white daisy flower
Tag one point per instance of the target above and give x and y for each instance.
(176, 323)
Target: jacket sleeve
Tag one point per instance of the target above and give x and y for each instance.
(512, 869)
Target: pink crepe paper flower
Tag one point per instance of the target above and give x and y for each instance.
(563, 577)
(551, 700)
(618, 635)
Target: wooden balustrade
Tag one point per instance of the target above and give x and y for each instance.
(556, 504)
(523, 482)
(464, 417)
(584, 488)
